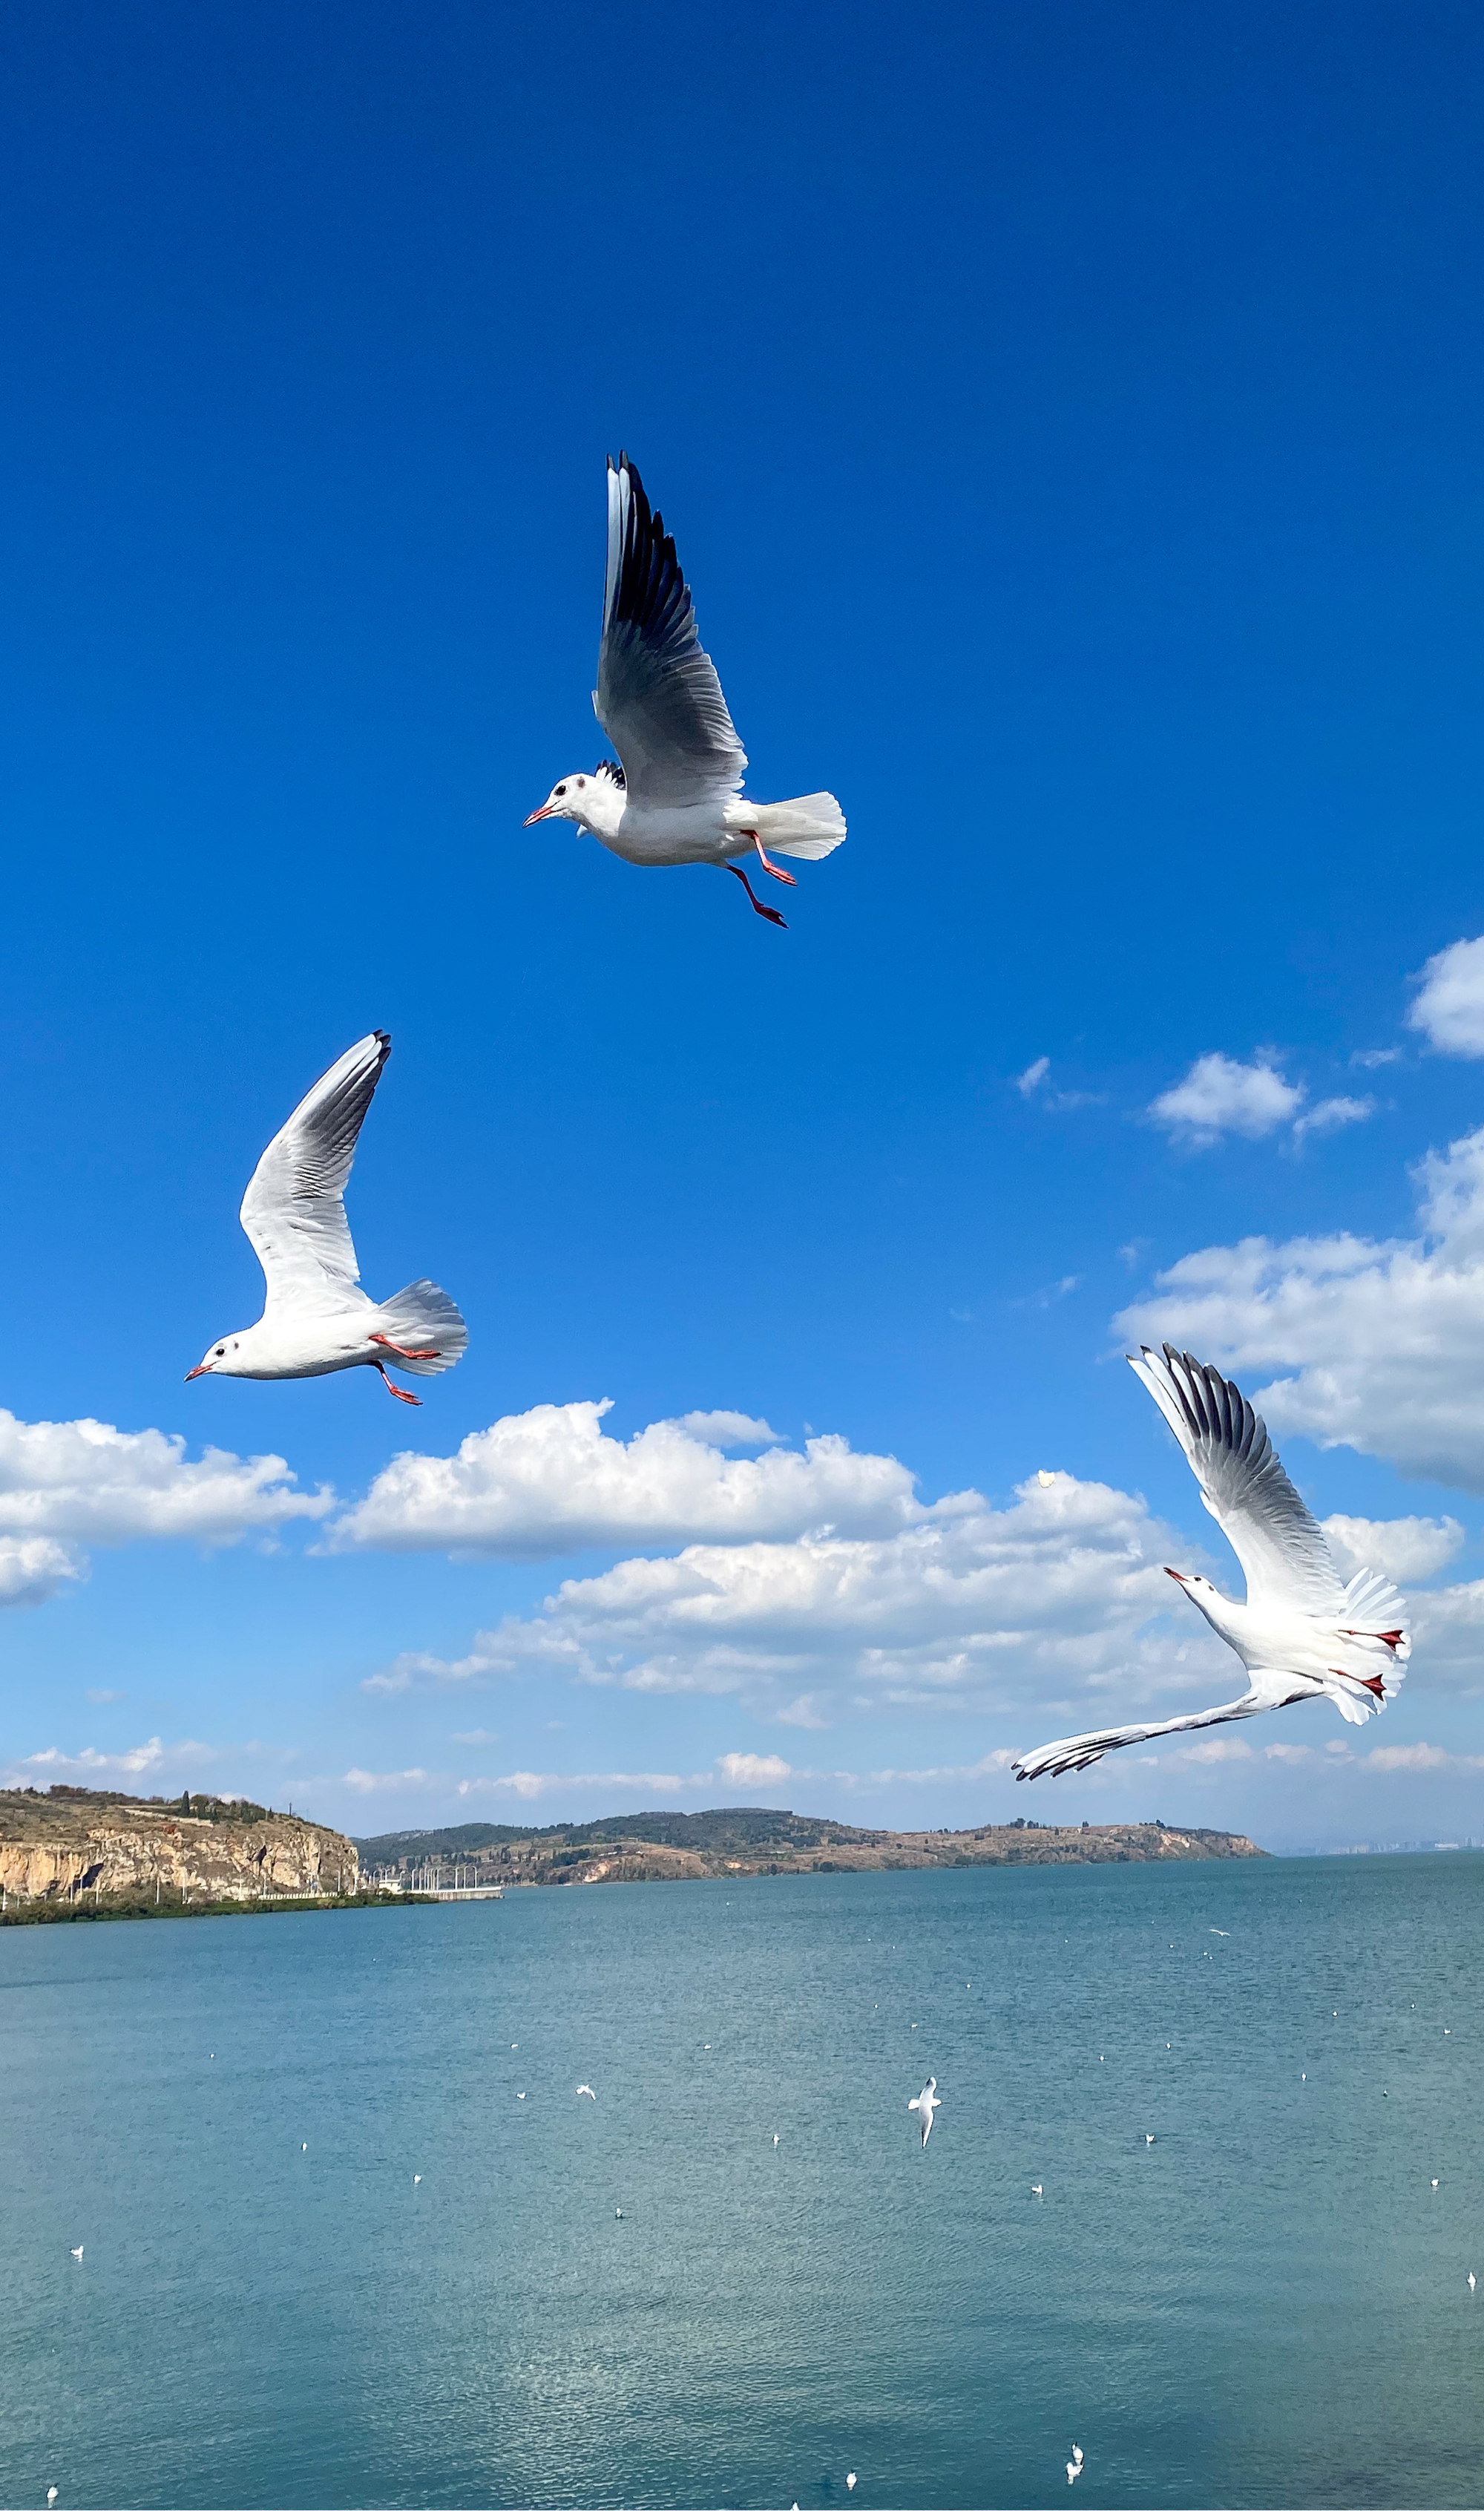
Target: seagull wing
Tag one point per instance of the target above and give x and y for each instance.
(294, 1209)
(657, 697)
(1079, 1751)
(1281, 1547)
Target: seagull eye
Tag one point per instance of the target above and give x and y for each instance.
(222, 1351)
(560, 790)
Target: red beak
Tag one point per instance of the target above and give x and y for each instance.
(200, 1371)
(532, 817)
(1176, 1574)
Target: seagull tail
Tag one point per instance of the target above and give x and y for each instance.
(812, 826)
(423, 1318)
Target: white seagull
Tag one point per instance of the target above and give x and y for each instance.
(77, 2252)
(1074, 2464)
(675, 796)
(850, 2485)
(51, 2496)
(926, 2104)
(317, 1319)
(588, 2089)
(1302, 1633)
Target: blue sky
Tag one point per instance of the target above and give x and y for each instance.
(1070, 424)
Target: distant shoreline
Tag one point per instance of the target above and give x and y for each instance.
(78, 1914)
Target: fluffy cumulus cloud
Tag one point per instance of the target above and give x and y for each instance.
(551, 1479)
(1449, 1009)
(1045, 1601)
(1404, 1548)
(1219, 1096)
(138, 1764)
(1376, 1345)
(69, 1483)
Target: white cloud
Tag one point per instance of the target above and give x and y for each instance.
(550, 1479)
(753, 1770)
(1032, 1076)
(1219, 1096)
(1404, 1548)
(369, 1783)
(1380, 1343)
(34, 1567)
(1042, 1607)
(992, 1765)
(1214, 1747)
(1370, 1059)
(728, 1430)
(85, 1481)
(1421, 1756)
(138, 1761)
(531, 1784)
(1331, 1114)
(1450, 1007)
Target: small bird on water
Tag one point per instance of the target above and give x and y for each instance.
(1037, 2189)
(676, 795)
(1303, 1634)
(1149, 2140)
(51, 2496)
(1470, 2279)
(1074, 2464)
(588, 2089)
(77, 2252)
(850, 2485)
(316, 1318)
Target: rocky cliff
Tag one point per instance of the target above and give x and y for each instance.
(71, 1840)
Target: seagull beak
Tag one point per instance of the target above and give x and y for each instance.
(1176, 1574)
(200, 1371)
(531, 818)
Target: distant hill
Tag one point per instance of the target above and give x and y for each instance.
(762, 1839)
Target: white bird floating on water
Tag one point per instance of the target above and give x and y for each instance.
(51, 2496)
(925, 2102)
(316, 1318)
(1074, 2464)
(77, 2252)
(774, 2136)
(675, 798)
(1303, 1634)
(1149, 2140)
(1036, 2189)
(1434, 2183)
(588, 2089)
(1470, 2279)
(850, 2485)
(417, 2179)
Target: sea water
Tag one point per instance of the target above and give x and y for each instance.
(331, 2257)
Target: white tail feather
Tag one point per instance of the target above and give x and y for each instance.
(812, 826)
(423, 1318)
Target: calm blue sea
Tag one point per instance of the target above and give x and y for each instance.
(1268, 2306)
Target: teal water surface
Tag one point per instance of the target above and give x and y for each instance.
(1268, 2306)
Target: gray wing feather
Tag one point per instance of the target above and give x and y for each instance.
(657, 697)
(294, 1211)
(1080, 1751)
(1280, 1545)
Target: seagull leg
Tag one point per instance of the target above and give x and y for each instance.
(789, 877)
(402, 1351)
(401, 1392)
(770, 913)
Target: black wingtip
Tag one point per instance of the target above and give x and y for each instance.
(383, 1038)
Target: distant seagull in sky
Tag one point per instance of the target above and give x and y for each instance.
(1302, 1634)
(675, 798)
(1074, 2464)
(316, 1318)
(588, 2089)
(925, 2102)
(77, 2252)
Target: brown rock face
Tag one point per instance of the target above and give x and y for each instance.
(54, 1846)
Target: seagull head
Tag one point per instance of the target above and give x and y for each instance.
(221, 1361)
(596, 802)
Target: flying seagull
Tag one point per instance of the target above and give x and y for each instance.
(588, 2089)
(926, 2104)
(1303, 1634)
(317, 1319)
(676, 795)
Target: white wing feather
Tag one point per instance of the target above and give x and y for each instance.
(1281, 1546)
(657, 697)
(294, 1211)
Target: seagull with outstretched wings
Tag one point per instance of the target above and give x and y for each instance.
(1304, 1633)
(317, 1318)
(675, 794)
